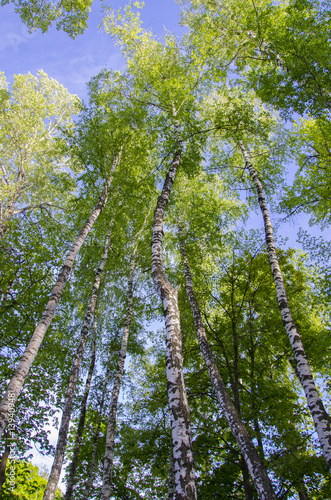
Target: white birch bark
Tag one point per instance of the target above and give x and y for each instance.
(31, 350)
(320, 417)
(92, 463)
(110, 436)
(255, 467)
(171, 478)
(81, 423)
(67, 410)
(185, 488)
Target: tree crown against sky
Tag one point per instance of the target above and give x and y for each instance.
(34, 167)
(71, 17)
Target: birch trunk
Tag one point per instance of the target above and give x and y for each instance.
(257, 471)
(31, 350)
(303, 494)
(185, 488)
(315, 404)
(110, 436)
(248, 487)
(3, 465)
(91, 467)
(81, 423)
(171, 478)
(67, 410)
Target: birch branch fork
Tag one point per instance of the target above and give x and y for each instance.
(320, 417)
(31, 350)
(256, 469)
(185, 488)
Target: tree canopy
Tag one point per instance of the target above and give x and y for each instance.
(149, 299)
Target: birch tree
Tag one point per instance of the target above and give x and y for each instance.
(92, 463)
(205, 222)
(242, 136)
(38, 335)
(103, 156)
(170, 95)
(203, 205)
(71, 17)
(179, 410)
(184, 118)
(34, 167)
(113, 310)
(246, 332)
(274, 43)
(110, 436)
(315, 404)
(81, 423)
(66, 416)
(260, 478)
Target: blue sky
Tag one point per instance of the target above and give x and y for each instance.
(73, 62)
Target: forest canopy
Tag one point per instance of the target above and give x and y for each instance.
(154, 311)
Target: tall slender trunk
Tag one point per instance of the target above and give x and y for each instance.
(31, 350)
(92, 463)
(256, 469)
(3, 465)
(67, 410)
(110, 436)
(252, 376)
(248, 488)
(81, 423)
(315, 404)
(234, 382)
(178, 404)
(302, 491)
